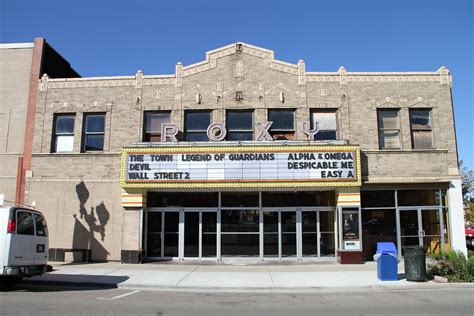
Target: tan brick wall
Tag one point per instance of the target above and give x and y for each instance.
(15, 70)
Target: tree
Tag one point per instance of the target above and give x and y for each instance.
(467, 180)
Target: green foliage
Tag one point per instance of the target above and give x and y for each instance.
(469, 215)
(454, 265)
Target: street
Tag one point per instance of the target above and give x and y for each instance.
(43, 299)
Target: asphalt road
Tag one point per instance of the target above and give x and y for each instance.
(40, 299)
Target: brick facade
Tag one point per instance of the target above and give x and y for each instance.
(80, 192)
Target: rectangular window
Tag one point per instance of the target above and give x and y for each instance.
(93, 132)
(283, 127)
(63, 133)
(41, 228)
(389, 129)
(325, 121)
(421, 132)
(195, 125)
(24, 223)
(152, 125)
(239, 125)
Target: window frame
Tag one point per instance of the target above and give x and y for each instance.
(334, 111)
(195, 131)
(237, 130)
(146, 136)
(85, 133)
(55, 134)
(380, 131)
(278, 131)
(413, 131)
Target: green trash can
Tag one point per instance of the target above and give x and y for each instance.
(415, 263)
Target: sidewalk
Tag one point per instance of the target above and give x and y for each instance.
(231, 277)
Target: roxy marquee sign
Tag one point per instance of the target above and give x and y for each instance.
(236, 165)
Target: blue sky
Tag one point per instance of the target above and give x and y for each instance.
(118, 37)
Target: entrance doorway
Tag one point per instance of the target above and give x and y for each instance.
(318, 237)
(162, 234)
(420, 226)
(200, 233)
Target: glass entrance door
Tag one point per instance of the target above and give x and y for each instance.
(200, 233)
(171, 234)
(410, 233)
(154, 231)
(431, 228)
(420, 227)
(318, 233)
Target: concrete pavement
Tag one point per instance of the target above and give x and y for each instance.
(230, 277)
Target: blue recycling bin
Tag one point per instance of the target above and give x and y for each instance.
(387, 261)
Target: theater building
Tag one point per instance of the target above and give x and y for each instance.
(245, 156)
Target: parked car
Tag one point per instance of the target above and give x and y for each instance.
(23, 244)
(470, 235)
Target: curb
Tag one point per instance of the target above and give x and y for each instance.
(415, 286)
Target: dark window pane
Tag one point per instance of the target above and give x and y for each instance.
(270, 234)
(24, 223)
(197, 121)
(420, 119)
(94, 142)
(209, 220)
(378, 198)
(327, 246)
(209, 245)
(310, 242)
(153, 245)
(171, 222)
(41, 228)
(191, 234)
(281, 199)
(308, 224)
(377, 226)
(154, 222)
(229, 199)
(239, 120)
(282, 119)
(95, 123)
(239, 135)
(326, 221)
(240, 220)
(240, 245)
(288, 234)
(64, 124)
(163, 199)
(417, 197)
(288, 222)
(196, 137)
(326, 135)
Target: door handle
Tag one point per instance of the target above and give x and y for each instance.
(422, 233)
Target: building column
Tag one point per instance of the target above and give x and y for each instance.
(456, 217)
(132, 227)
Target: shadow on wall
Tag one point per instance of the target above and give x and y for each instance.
(95, 221)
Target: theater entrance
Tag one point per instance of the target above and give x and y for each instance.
(241, 226)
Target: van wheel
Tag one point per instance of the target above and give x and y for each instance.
(10, 281)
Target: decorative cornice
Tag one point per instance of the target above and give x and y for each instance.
(442, 75)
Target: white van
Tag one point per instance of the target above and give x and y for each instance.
(23, 243)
